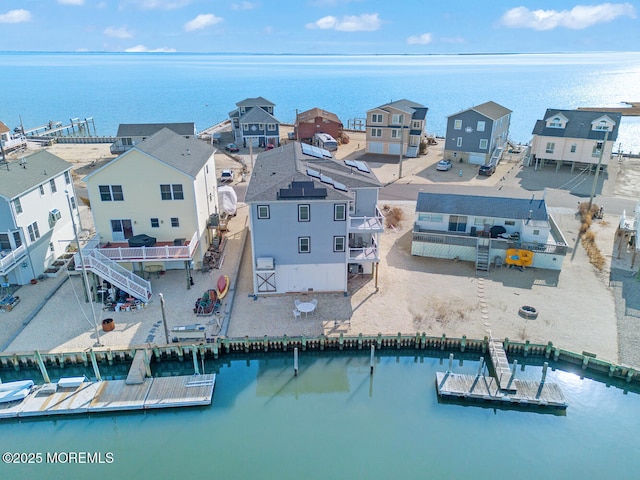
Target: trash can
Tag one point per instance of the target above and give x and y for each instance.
(108, 324)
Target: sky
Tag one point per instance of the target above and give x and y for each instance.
(319, 26)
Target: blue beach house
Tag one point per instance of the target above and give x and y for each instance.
(253, 123)
(478, 134)
(313, 219)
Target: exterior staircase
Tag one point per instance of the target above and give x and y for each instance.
(115, 274)
(482, 257)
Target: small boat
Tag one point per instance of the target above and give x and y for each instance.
(519, 258)
(14, 391)
(222, 286)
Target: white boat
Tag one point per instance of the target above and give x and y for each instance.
(14, 391)
(19, 385)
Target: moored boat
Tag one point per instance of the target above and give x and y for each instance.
(222, 286)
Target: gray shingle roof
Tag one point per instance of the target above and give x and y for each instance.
(578, 125)
(255, 102)
(491, 110)
(148, 129)
(258, 115)
(481, 206)
(40, 167)
(277, 168)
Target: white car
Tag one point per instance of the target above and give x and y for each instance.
(444, 165)
(226, 176)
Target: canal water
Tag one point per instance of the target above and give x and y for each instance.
(334, 421)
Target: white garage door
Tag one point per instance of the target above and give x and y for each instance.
(394, 149)
(375, 147)
(476, 159)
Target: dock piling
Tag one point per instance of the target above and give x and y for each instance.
(545, 365)
(480, 367)
(43, 369)
(94, 362)
(371, 362)
(295, 361)
(450, 369)
(513, 374)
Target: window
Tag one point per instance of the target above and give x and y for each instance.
(51, 247)
(550, 147)
(17, 239)
(261, 126)
(54, 216)
(72, 200)
(430, 217)
(483, 221)
(480, 126)
(175, 222)
(483, 144)
(556, 123)
(338, 244)
(34, 233)
(155, 223)
(376, 118)
(396, 133)
(17, 206)
(41, 188)
(245, 126)
(303, 213)
(171, 192)
(573, 148)
(271, 126)
(52, 182)
(416, 124)
(459, 142)
(509, 222)
(4, 242)
(67, 178)
(397, 118)
(339, 212)
(304, 244)
(376, 132)
(111, 193)
(457, 124)
(457, 223)
(536, 232)
(603, 125)
(128, 142)
(263, 212)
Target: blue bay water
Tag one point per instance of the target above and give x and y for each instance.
(336, 421)
(131, 88)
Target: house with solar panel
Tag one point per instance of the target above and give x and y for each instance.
(478, 134)
(130, 134)
(314, 220)
(576, 138)
(395, 127)
(486, 230)
(253, 123)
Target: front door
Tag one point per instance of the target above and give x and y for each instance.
(121, 230)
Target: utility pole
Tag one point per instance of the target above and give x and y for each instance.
(595, 179)
(401, 151)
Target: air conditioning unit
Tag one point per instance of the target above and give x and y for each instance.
(54, 216)
(265, 263)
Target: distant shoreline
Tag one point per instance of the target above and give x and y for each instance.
(633, 110)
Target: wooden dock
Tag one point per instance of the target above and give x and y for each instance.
(114, 395)
(500, 364)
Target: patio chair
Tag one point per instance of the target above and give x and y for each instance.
(315, 304)
(497, 262)
(296, 302)
(296, 314)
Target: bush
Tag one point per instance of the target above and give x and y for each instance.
(395, 216)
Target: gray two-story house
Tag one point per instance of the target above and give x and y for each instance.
(478, 134)
(313, 220)
(130, 134)
(253, 123)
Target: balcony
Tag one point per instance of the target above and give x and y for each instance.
(164, 251)
(363, 252)
(373, 224)
(9, 258)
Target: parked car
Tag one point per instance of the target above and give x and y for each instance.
(226, 176)
(270, 146)
(487, 170)
(444, 165)
(231, 147)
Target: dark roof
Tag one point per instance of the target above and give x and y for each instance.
(255, 102)
(482, 206)
(276, 169)
(258, 115)
(148, 129)
(311, 115)
(579, 125)
(420, 113)
(39, 168)
(489, 109)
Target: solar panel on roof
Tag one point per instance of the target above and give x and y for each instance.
(362, 167)
(291, 192)
(325, 179)
(313, 173)
(315, 192)
(301, 184)
(340, 186)
(350, 163)
(316, 152)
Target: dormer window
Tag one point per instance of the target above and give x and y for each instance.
(556, 123)
(602, 125)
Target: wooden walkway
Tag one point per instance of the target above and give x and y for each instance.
(500, 364)
(114, 395)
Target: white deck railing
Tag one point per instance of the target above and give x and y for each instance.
(366, 223)
(165, 253)
(12, 257)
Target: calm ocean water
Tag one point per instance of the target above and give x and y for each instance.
(335, 421)
(131, 88)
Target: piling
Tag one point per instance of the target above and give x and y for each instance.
(463, 343)
(545, 365)
(43, 369)
(372, 361)
(94, 362)
(480, 367)
(513, 374)
(194, 354)
(295, 361)
(450, 369)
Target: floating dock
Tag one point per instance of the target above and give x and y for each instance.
(114, 395)
(503, 387)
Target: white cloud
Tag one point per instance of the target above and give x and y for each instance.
(203, 20)
(15, 16)
(162, 4)
(367, 22)
(71, 2)
(330, 3)
(579, 17)
(142, 48)
(121, 32)
(423, 39)
(244, 6)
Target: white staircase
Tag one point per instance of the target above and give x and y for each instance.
(115, 274)
(482, 257)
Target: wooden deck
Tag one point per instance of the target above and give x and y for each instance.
(528, 393)
(115, 395)
(500, 364)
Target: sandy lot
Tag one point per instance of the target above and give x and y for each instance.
(579, 308)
